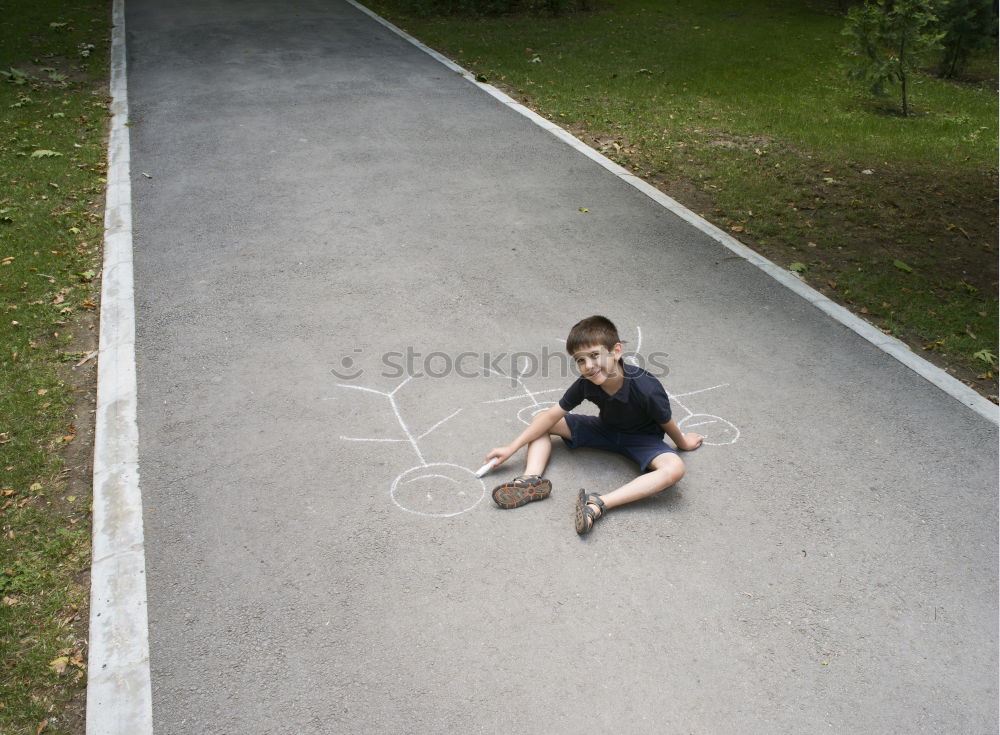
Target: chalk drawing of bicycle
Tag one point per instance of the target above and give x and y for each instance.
(444, 489)
(438, 489)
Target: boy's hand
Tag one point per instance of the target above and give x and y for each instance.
(502, 454)
(690, 442)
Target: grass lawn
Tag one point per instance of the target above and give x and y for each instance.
(53, 114)
(743, 112)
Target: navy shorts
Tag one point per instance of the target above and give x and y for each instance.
(590, 431)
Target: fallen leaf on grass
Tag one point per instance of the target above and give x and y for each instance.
(46, 154)
(902, 266)
(956, 227)
(59, 664)
(985, 356)
(798, 267)
(90, 356)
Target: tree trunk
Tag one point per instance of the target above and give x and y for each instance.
(902, 74)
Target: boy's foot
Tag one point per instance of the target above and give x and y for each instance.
(522, 489)
(589, 507)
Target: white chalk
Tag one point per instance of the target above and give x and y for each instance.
(486, 467)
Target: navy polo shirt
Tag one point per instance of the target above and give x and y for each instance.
(639, 407)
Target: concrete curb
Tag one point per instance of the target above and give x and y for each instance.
(889, 345)
(119, 697)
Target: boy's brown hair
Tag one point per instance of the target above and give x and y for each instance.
(594, 330)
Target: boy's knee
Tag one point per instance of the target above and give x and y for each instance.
(677, 472)
(671, 466)
(561, 429)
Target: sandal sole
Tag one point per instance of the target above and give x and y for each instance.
(580, 514)
(511, 496)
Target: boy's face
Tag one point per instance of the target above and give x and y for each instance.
(598, 364)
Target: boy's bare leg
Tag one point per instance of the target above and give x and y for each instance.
(540, 450)
(668, 468)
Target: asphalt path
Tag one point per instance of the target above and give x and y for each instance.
(353, 273)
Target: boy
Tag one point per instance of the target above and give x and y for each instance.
(634, 414)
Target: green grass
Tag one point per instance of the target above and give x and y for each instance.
(744, 112)
(53, 112)
(702, 70)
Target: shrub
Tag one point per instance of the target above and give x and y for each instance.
(891, 37)
(968, 26)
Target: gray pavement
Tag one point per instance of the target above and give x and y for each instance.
(313, 194)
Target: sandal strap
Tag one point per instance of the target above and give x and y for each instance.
(596, 500)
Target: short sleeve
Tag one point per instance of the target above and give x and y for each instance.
(659, 404)
(573, 396)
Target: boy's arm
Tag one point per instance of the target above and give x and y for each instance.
(539, 427)
(686, 442)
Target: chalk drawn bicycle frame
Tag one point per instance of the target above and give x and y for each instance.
(444, 489)
(419, 489)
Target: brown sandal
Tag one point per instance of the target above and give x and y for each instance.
(585, 515)
(522, 489)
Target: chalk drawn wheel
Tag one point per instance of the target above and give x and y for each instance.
(437, 489)
(715, 430)
(529, 412)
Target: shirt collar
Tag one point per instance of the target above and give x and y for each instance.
(621, 395)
